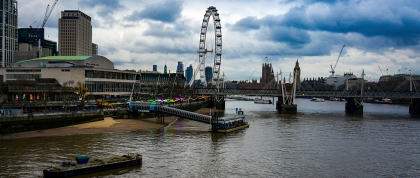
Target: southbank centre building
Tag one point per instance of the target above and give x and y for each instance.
(97, 73)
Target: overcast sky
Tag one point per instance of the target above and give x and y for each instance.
(136, 34)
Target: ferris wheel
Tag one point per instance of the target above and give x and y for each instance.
(210, 47)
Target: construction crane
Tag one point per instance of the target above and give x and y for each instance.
(333, 69)
(46, 15)
(381, 70)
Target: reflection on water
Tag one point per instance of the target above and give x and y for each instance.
(319, 141)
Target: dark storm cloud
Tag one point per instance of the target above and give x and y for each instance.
(396, 20)
(168, 11)
(295, 38)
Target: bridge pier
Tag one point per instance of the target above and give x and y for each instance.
(415, 106)
(353, 106)
(214, 103)
(285, 108)
(160, 118)
(215, 122)
(223, 103)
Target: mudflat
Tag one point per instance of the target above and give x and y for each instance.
(107, 125)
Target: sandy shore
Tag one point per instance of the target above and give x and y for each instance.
(107, 125)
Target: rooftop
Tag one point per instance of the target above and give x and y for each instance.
(56, 58)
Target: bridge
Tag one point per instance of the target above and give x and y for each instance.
(333, 93)
(215, 121)
(354, 99)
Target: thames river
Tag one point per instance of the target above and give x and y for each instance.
(319, 141)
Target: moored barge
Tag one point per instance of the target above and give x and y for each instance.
(229, 123)
(84, 166)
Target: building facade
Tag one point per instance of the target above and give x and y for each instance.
(209, 74)
(189, 73)
(74, 34)
(267, 74)
(97, 73)
(296, 74)
(180, 67)
(9, 31)
(94, 49)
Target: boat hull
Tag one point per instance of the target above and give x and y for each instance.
(93, 166)
(232, 129)
(260, 101)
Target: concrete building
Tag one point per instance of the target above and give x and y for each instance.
(94, 49)
(9, 31)
(30, 39)
(96, 72)
(74, 34)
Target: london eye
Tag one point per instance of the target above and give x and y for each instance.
(210, 47)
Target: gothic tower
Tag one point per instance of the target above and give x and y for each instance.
(296, 71)
(267, 74)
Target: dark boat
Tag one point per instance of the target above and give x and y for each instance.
(84, 166)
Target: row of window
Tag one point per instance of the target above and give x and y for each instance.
(23, 76)
(100, 86)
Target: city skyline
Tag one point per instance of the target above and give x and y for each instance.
(278, 32)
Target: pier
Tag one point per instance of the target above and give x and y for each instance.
(218, 124)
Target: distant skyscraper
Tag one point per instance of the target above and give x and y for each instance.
(209, 73)
(180, 67)
(165, 70)
(9, 31)
(154, 68)
(74, 34)
(189, 73)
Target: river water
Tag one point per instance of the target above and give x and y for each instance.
(319, 141)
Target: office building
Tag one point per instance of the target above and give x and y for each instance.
(94, 49)
(189, 73)
(74, 34)
(154, 68)
(30, 39)
(209, 73)
(9, 31)
(180, 67)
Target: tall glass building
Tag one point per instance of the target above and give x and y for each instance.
(9, 31)
(180, 67)
(189, 73)
(209, 73)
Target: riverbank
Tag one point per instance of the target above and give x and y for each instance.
(107, 125)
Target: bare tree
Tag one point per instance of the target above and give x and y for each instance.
(66, 93)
